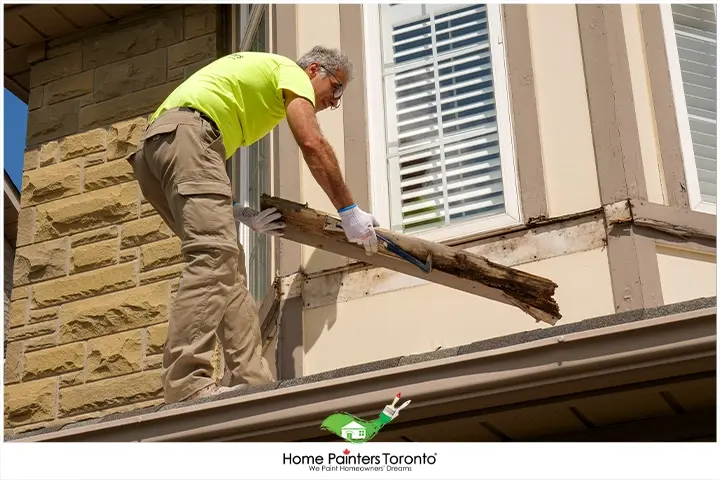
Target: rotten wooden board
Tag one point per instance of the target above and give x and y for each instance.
(452, 268)
(679, 222)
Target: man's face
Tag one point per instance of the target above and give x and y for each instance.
(329, 86)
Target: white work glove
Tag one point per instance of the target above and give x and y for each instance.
(262, 222)
(358, 227)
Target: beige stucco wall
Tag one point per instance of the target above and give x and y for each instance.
(331, 121)
(414, 319)
(642, 97)
(431, 316)
(564, 118)
(685, 275)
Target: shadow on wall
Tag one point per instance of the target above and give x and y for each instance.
(330, 288)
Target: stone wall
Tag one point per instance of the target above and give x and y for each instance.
(95, 266)
(9, 254)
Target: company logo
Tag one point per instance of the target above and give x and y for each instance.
(357, 430)
(357, 462)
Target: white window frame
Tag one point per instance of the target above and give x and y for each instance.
(246, 20)
(379, 172)
(683, 123)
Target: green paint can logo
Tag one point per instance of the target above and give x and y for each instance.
(356, 430)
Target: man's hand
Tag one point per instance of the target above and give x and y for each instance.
(262, 222)
(358, 226)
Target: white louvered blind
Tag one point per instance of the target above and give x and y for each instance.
(696, 36)
(443, 148)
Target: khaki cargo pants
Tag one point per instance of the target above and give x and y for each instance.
(180, 166)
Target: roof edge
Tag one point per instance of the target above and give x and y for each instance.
(677, 337)
(12, 192)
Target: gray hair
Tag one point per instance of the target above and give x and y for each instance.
(330, 58)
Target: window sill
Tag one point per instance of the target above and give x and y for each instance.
(453, 233)
(705, 207)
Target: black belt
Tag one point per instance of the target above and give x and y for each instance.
(193, 110)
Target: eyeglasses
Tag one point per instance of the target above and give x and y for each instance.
(338, 90)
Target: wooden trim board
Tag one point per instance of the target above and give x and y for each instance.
(452, 268)
(664, 105)
(354, 109)
(525, 115)
(677, 221)
(287, 183)
(612, 109)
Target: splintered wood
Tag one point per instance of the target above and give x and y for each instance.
(450, 267)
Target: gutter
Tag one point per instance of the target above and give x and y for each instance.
(623, 354)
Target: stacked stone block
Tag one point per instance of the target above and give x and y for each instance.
(95, 267)
(9, 259)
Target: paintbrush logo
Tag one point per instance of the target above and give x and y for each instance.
(357, 430)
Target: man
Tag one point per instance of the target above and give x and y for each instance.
(180, 167)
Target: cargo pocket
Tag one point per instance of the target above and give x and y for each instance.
(213, 139)
(207, 215)
(204, 187)
(156, 132)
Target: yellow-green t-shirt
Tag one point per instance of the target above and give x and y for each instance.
(242, 93)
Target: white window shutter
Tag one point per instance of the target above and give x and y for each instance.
(443, 144)
(696, 36)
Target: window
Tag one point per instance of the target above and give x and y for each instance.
(442, 160)
(249, 166)
(691, 36)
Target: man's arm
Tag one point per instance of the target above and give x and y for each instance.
(318, 153)
(320, 158)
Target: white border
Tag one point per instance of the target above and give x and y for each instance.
(375, 100)
(686, 146)
(232, 461)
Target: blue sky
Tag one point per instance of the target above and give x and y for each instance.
(15, 129)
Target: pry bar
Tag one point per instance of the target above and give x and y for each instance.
(333, 225)
(425, 267)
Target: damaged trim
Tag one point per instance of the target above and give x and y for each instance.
(633, 226)
(268, 314)
(672, 241)
(453, 268)
(625, 353)
(679, 222)
(575, 232)
(540, 243)
(675, 221)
